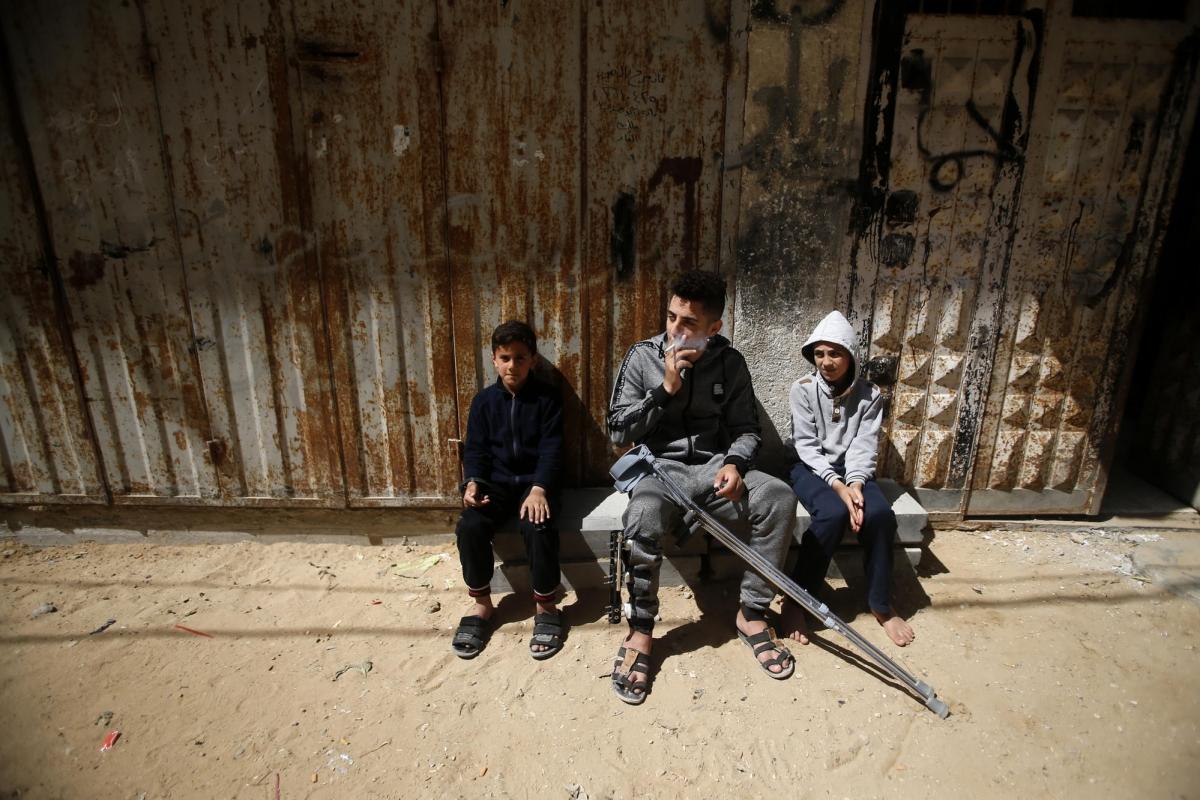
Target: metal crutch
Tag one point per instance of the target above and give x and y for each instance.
(640, 462)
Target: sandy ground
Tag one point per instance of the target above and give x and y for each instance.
(1067, 677)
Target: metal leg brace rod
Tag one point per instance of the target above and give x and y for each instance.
(640, 460)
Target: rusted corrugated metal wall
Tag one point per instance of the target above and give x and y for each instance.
(366, 108)
(94, 132)
(170, 197)
(253, 288)
(600, 175)
(285, 230)
(48, 453)
(277, 234)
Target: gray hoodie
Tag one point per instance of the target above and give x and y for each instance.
(836, 436)
(713, 414)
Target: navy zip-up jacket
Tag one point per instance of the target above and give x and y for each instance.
(515, 440)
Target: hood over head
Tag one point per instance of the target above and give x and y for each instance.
(835, 329)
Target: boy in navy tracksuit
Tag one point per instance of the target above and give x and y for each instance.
(512, 458)
(836, 417)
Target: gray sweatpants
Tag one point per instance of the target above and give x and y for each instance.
(767, 508)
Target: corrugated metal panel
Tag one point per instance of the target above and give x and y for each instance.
(656, 89)
(252, 281)
(197, 314)
(591, 108)
(513, 70)
(46, 451)
(85, 93)
(367, 107)
(1119, 99)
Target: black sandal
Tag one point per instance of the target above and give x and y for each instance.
(471, 637)
(628, 662)
(548, 631)
(764, 641)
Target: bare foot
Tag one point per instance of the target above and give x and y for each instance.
(793, 623)
(750, 628)
(896, 628)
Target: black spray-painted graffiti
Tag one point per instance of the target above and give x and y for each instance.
(875, 206)
(768, 11)
(948, 168)
(798, 157)
(622, 241)
(782, 149)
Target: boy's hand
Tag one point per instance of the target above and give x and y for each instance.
(859, 503)
(728, 483)
(472, 497)
(852, 497)
(536, 508)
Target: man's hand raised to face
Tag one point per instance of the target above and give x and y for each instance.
(678, 358)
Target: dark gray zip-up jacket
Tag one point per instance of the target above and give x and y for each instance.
(713, 413)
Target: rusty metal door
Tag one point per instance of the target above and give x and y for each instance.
(600, 176)
(665, 86)
(87, 97)
(287, 230)
(46, 449)
(1111, 124)
(929, 262)
(367, 107)
(253, 293)
(1013, 200)
(163, 147)
(511, 89)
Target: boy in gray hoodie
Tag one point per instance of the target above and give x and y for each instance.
(836, 417)
(686, 394)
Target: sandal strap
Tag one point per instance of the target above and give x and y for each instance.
(472, 622)
(766, 636)
(472, 631)
(469, 633)
(766, 640)
(630, 661)
(627, 683)
(780, 660)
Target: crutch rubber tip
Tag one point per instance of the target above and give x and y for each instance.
(938, 707)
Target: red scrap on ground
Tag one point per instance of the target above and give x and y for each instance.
(193, 630)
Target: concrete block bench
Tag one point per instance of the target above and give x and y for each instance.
(589, 528)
